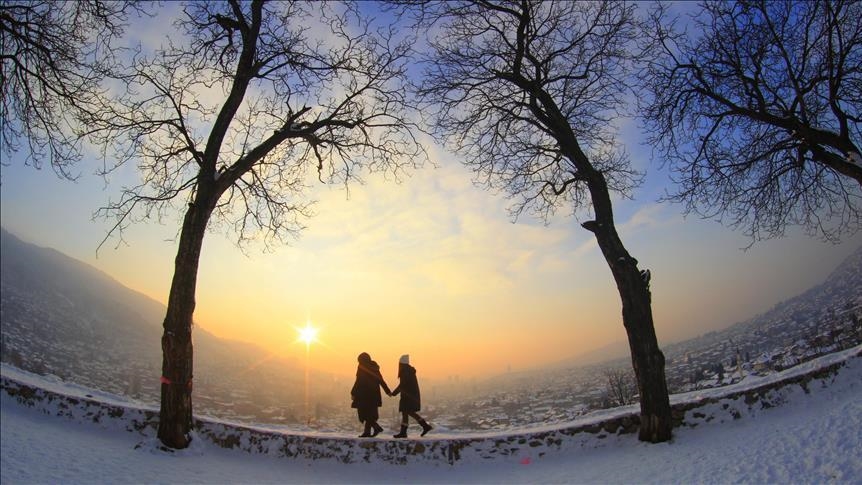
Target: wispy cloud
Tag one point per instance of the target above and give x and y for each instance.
(649, 216)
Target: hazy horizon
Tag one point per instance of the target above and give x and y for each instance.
(296, 351)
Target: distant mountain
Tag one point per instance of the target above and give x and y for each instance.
(61, 316)
(612, 351)
(787, 320)
(841, 288)
(815, 313)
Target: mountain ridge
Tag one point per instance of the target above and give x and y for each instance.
(62, 316)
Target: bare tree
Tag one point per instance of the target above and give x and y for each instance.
(620, 387)
(225, 123)
(757, 111)
(51, 56)
(528, 92)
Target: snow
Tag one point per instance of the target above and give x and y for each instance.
(813, 436)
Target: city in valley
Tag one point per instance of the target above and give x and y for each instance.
(54, 326)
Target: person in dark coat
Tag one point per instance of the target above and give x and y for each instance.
(366, 394)
(411, 402)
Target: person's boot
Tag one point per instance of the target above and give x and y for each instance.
(367, 433)
(425, 427)
(377, 429)
(403, 433)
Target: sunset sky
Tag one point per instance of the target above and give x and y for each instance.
(433, 267)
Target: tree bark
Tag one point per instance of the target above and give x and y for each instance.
(175, 415)
(647, 359)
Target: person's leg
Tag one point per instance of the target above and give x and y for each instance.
(425, 426)
(367, 432)
(403, 432)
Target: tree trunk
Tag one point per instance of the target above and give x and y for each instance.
(647, 359)
(648, 363)
(175, 415)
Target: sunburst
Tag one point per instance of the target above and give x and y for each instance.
(307, 334)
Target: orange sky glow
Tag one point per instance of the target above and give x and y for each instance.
(433, 267)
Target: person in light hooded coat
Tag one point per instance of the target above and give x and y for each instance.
(411, 402)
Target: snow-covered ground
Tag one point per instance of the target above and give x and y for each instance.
(814, 437)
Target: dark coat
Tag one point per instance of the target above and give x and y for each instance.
(408, 387)
(366, 390)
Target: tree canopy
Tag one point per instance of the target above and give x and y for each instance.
(53, 56)
(500, 83)
(756, 109)
(251, 99)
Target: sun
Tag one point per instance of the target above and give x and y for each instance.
(307, 334)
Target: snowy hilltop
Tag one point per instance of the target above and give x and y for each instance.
(801, 425)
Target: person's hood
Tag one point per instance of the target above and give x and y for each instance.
(406, 369)
(368, 366)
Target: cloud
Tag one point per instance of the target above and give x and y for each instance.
(435, 232)
(647, 217)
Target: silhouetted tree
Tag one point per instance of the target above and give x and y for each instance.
(52, 55)
(528, 92)
(620, 387)
(756, 108)
(226, 122)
